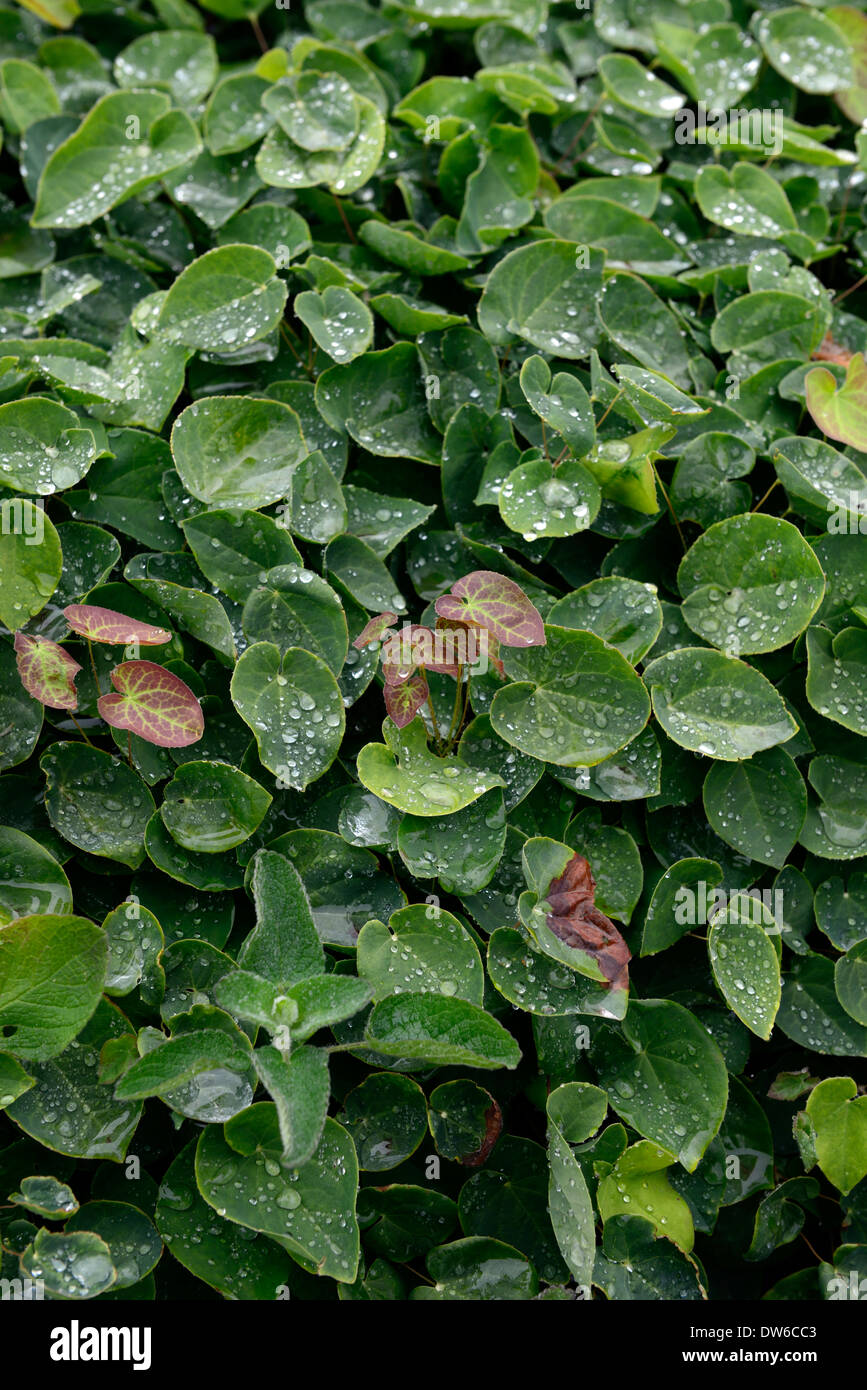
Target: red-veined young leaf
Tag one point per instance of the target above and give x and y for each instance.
(404, 701)
(413, 646)
(105, 625)
(47, 672)
(575, 920)
(153, 703)
(375, 629)
(490, 600)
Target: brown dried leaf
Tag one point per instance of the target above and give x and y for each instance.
(576, 921)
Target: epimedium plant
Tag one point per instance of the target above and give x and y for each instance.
(477, 359)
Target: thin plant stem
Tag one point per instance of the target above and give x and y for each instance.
(344, 219)
(453, 726)
(851, 290)
(92, 663)
(611, 406)
(762, 500)
(674, 516)
(433, 713)
(80, 730)
(257, 30)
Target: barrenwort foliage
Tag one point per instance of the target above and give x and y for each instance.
(433, 669)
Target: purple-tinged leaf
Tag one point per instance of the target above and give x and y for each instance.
(375, 629)
(105, 625)
(47, 672)
(404, 701)
(153, 703)
(413, 646)
(490, 600)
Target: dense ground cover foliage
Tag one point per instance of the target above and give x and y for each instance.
(433, 858)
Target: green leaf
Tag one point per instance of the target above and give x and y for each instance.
(849, 981)
(716, 705)
(131, 1237)
(295, 608)
(838, 1116)
(283, 163)
(541, 295)
(638, 1186)
(840, 413)
(745, 963)
(339, 321)
(623, 612)
(745, 199)
(178, 61)
(666, 1078)
(757, 806)
(380, 401)
(422, 950)
(440, 1031)
(125, 143)
(211, 806)
(68, 1109)
(70, 1266)
(217, 1251)
(294, 708)
(30, 561)
(311, 1209)
(181, 1059)
(51, 971)
(387, 1118)
(299, 1086)
(465, 1121)
(807, 49)
(479, 1269)
(284, 945)
(750, 584)
(811, 1014)
(32, 882)
(96, 802)
(229, 296)
(672, 907)
(575, 701)
(468, 844)
(637, 88)
(233, 548)
(835, 684)
(568, 1198)
(236, 452)
(45, 449)
(407, 775)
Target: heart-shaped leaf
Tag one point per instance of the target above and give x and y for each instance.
(153, 703)
(47, 672)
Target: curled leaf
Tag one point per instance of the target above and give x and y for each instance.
(414, 646)
(47, 672)
(490, 600)
(105, 625)
(153, 703)
(374, 629)
(574, 919)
